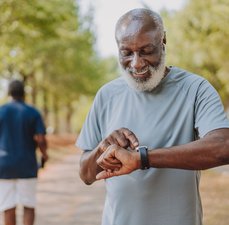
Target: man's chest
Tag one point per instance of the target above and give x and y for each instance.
(154, 120)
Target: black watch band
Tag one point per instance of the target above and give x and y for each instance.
(143, 150)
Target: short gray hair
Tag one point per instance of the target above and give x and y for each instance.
(141, 14)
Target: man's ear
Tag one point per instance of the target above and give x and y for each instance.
(164, 38)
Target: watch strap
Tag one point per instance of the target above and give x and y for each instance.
(143, 150)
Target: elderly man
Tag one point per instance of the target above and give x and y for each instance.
(174, 119)
(21, 131)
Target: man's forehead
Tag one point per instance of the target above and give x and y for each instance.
(134, 28)
(138, 37)
(130, 27)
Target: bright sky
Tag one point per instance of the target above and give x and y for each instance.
(107, 12)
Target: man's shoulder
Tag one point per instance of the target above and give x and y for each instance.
(32, 109)
(5, 107)
(186, 78)
(22, 107)
(27, 108)
(182, 74)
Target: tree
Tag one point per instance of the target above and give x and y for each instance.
(51, 48)
(198, 41)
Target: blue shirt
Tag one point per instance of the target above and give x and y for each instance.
(19, 123)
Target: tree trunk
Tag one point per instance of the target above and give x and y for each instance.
(68, 117)
(33, 84)
(45, 104)
(56, 114)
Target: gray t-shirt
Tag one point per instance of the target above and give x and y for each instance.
(182, 108)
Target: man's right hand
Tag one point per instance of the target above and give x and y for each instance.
(89, 168)
(122, 137)
(45, 156)
(129, 161)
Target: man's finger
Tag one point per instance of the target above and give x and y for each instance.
(131, 137)
(105, 164)
(104, 145)
(107, 174)
(122, 141)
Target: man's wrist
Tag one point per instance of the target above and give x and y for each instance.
(143, 152)
(100, 149)
(137, 159)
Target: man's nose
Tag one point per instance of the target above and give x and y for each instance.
(137, 62)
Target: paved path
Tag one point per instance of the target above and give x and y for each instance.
(62, 198)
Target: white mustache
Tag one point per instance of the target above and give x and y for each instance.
(156, 74)
(140, 72)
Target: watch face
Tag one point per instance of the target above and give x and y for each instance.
(142, 147)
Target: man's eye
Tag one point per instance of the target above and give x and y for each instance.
(149, 51)
(125, 53)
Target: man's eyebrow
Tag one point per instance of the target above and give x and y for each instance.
(149, 46)
(123, 47)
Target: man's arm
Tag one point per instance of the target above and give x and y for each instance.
(208, 152)
(88, 166)
(42, 144)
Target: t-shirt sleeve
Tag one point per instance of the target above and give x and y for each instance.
(209, 110)
(39, 125)
(90, 134)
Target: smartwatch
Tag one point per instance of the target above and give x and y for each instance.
(143, 150)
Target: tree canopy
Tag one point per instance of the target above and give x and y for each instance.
(198, 41)
(51, 47)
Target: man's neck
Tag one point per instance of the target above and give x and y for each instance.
(18, 99)
(167, 70)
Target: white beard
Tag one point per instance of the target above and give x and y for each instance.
(150, 83)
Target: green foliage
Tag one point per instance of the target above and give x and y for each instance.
(198, 41)
(82, 107)
(51, 47)
(48, 41)
(111, 66)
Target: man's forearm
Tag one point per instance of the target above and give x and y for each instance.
(43, 147)
(42, 144)
(208, 152)
(88, 166)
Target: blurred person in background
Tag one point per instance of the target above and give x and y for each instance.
(21, 131)
(157, 126)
